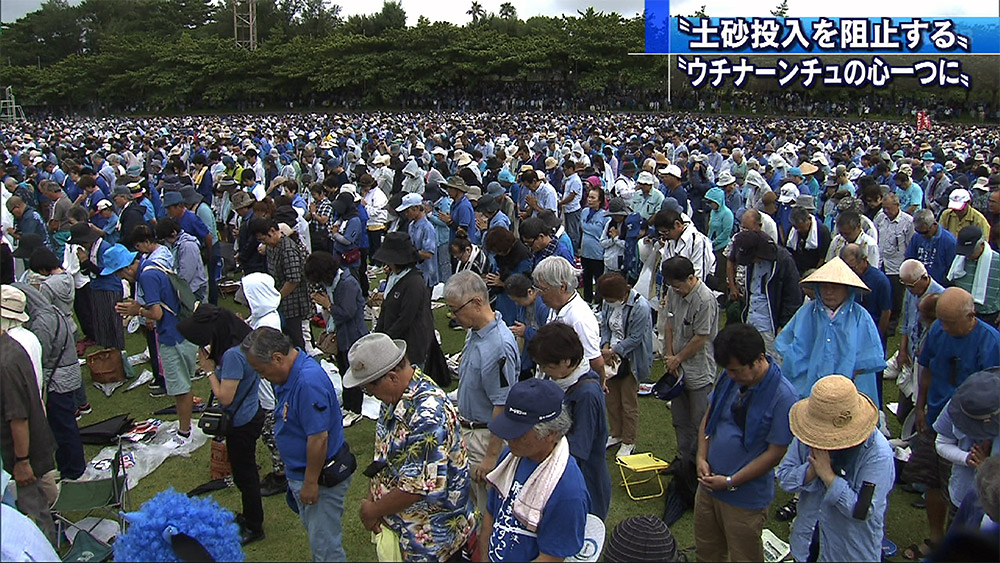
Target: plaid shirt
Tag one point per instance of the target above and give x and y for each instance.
(285, 262)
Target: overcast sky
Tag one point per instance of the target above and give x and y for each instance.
(454, 10)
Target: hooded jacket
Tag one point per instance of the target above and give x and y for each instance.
(720, 222)
(782, 288)
(60, 291)
(262, 298)
(59, 359)
(413, 178)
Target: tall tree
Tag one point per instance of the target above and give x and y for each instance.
(781, 10)
(508, 11)
(476, 11)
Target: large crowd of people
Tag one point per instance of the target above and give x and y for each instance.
(765, 262)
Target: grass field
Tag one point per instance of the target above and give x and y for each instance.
(286, 539)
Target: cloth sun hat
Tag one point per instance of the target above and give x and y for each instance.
(950, 165)
(116, 258)
(834, 416)
(474, 193)
(529, 402)
(551, 163)
(351, 189)
(82, 234)
(241, 199)
(371, 357)
(397, 249)
(646, 178)
(435, 150)
(836, 271)
(616, 206)
(30, 242)
(191, 197)
(172, 198)
(464, 159)
(725, 179)
(488, 204)
(975, 406)
(410, 200)
(641, 538)
(12, 303)
(458, 183)
(805, 202)
(795, 171)
(959, 199)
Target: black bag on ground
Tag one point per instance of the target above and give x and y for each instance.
(436, 365)
(680, 492)
(106, 431)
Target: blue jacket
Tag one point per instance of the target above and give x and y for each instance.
(347, 307)
(637, 345)
(593, 226)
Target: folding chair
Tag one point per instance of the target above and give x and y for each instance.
(107, 496)
(637, 465)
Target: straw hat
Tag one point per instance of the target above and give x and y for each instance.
(835, 416)
(836, 271)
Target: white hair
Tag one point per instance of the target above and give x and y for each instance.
(556, 271)
(559, 425)
(466, 285)
(911, 270)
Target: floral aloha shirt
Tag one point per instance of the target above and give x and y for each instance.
(420, 440)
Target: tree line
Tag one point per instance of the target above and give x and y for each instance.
(181, 55)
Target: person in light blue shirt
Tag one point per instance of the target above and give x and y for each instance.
(571, 202)
(440, 204)
(933, 245)
(911, 197)
(594, 221)
(422, 234)
(837, 454)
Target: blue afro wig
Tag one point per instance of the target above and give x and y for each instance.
(201, 518)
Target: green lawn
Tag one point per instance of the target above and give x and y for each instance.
(286, 540)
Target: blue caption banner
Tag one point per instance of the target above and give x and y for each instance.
(804, 36)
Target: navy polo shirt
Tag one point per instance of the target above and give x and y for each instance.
(194, 226)
(305, 404)
(879, 299)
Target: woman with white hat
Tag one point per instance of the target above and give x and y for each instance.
(843, 469)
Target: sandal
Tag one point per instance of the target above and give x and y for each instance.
(787, 513)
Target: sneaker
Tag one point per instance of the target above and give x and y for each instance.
(199, 374)
(157, 391)
(350, 418)
(84, 409)
(625, 450)
(272, 485)
(179, 441)
(612, 441)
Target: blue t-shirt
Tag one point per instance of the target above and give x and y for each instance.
(424, 239)
(305, 404)
(560, 530)
(245, 403)
(194, 226)
(879, 299)
(592, 223)
(952, 360)
(157, 290)
(110, 282)
(936, 254)
(462, 215)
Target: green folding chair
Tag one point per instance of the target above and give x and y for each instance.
(103, 498)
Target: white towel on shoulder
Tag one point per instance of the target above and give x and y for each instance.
(534, 495)
(982, 277)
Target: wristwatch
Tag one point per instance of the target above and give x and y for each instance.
(729, 483)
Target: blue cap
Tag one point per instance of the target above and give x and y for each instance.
(506, 176)
(172, 198)
(928, 156)
(795, 172)
(116, 258)
(671, 203)
(529, 402)
(936, 168)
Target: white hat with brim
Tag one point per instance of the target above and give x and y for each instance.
(372, 356)
(835, 416)
(12, 304)
(836, 271)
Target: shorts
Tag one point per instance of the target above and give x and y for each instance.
(179, 363)
(926, 467)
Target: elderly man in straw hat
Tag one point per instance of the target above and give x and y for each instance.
(843, 469)
(832, 334)
(420, 473)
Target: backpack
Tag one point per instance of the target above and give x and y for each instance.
(186, 298)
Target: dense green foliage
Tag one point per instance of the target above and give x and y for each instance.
(178, 55)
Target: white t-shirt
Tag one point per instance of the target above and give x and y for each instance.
(33, 347)
(578, 315)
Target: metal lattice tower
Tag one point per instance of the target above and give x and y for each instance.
(9, 110)
(245, 23)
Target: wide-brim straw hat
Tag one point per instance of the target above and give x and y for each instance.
(835, 416)
(836, 271)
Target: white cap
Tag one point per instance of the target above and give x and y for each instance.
(959, 199)
(788, 193)
(440, 151)
(410, 200)
(646, 178)
(671, 170)
(104, 204)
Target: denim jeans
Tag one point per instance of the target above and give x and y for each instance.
(322, 520)
(61, 411)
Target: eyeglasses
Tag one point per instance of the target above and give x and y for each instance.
(914, 284)
(540, 289)
(454, 312)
